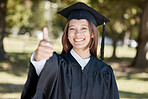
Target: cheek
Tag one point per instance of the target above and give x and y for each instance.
(87, 35)
(70, 36)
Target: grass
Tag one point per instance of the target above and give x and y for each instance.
(132, 82)
(133, 86)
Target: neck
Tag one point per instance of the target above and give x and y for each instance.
(83, 53)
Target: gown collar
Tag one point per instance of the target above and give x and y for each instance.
(82, 62)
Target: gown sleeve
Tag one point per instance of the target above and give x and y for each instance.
(111, 84)
(38, 87)
(47, 78)
(31, 83)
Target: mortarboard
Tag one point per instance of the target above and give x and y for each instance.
(82, 11)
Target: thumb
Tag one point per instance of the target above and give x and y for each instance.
(45, 33)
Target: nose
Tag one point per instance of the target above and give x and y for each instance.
(78, 32)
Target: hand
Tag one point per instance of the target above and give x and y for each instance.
(45, 49)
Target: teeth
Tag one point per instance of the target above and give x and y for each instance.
(78, 40)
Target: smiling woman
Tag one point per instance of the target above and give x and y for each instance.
(76, 73)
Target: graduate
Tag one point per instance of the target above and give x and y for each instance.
(76, 73)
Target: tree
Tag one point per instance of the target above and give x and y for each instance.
(12, 14)
(114, 10)
(3, 55)
(140, 59)
(18, 15)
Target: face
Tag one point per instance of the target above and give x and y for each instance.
(78, 33)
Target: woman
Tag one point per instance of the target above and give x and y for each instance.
(77, 73)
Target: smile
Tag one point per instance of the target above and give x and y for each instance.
(78, 40)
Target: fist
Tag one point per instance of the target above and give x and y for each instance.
(45, 49)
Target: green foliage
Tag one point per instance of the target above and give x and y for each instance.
(30, 16)
(37, 21)
(44, 14)
(18, 14)
(124, 16)
(58, 25)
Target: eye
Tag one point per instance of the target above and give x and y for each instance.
(72, 29)
(84, 28)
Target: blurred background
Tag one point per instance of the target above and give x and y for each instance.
(126, 50)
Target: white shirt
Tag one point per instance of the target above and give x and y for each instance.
(81, 61)
(39, 65)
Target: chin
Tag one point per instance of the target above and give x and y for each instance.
(79, 47)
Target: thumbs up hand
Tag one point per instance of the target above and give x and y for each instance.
(45, 49)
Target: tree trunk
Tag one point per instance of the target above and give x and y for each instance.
(140, 59)
(114, 49)
(3, 3)
(126, 38)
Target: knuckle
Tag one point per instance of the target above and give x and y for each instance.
(51, 48)
(50, 51)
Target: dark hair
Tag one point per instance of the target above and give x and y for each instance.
(93, 44)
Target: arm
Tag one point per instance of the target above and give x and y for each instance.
(43, 53)
(35, 85)
(47, 78)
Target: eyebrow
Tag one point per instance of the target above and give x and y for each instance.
(81, 25)
(71, 25)
(84, 25)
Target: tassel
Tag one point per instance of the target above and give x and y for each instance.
(102, 42)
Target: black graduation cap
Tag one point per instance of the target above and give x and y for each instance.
(81, 11)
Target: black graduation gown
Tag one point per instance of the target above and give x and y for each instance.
(62, 78)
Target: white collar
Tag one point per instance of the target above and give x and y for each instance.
(81, 61)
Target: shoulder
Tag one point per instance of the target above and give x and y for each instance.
(100, 65)
(63, 57)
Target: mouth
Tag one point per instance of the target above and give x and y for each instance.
(79, 40)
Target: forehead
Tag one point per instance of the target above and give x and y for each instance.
(80, 22)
